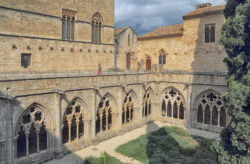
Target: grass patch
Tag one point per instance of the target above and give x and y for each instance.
(104, 159)
(169, 145)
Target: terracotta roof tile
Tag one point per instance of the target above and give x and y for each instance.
(164, 31)
(202, 11)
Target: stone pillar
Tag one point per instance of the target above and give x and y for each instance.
(87, 126)
(115, 124)
(58, 122)
(9, 105)
(156, 112)
(2, 152)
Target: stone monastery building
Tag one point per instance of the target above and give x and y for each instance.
(69, 79)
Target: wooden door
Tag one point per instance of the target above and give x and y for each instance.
(148, 64)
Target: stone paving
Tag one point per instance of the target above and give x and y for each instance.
(110, 145)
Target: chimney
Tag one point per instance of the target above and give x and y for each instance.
(205, 5)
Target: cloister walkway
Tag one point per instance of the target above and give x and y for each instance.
(110, 145)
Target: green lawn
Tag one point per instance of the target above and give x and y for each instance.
(169, 145)
(104, 159)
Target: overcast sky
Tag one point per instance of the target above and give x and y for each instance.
(145, 15)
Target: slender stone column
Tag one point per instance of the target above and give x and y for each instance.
(218, 118)
(129, 111)
(125, 116)
(107, 120)
(100, 122)
(178, 110)
(69, 126)
(211, 114)
(77, 128)
(27, 143)
(172, 110)
(38, 140)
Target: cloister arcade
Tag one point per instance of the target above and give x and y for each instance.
(209, 111)
(34, 130)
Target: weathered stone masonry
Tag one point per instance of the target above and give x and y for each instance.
(77, 111)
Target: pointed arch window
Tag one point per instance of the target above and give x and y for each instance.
(104, 116)
(73, 122)
(32, 132)
(128, 109)
(97, 22)
(211, 110)
(174, 104)
(146, 107)
(68, 24)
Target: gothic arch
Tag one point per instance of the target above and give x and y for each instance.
(73, 120)
(97, 18)
(128, 107)
(147, 103)
(49, 121)
(133, 94)
(173, 104)
(209, 110)
(106, 114)
(97, 23)
(32, 130)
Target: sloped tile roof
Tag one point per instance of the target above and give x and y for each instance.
(204, 11)
(164, 31)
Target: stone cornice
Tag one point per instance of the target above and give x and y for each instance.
(51, 39)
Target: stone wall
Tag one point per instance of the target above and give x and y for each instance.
(125, 47)
(188, 52)
(54, 94)
(36, 27)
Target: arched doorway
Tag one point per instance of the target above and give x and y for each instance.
(128, 61)
(148, 64)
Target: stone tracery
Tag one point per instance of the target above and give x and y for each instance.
(211, 109)
(128, 109)
(32, 132)
(146, 106)
(97, 22)
(73, 122)
(173, 104)
(104, 116)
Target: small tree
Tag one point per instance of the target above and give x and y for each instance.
(234, 146)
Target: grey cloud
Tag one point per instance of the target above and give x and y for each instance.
(145, 15)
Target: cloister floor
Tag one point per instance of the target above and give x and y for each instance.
(110, 145)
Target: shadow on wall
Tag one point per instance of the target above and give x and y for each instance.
(27, 136)
(207, 110)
